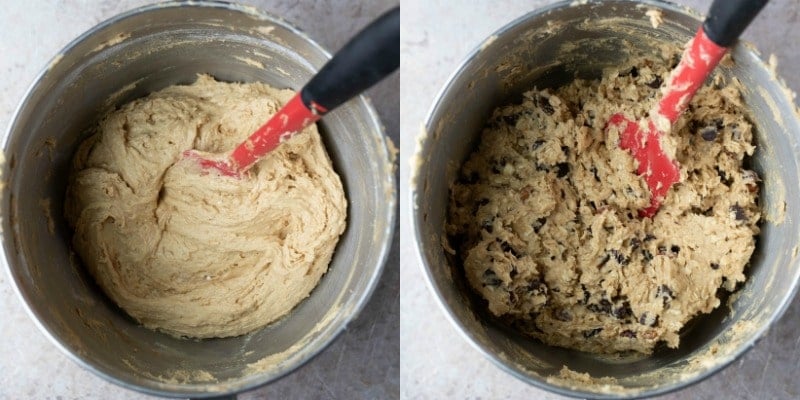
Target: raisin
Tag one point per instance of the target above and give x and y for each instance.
(714, 266)
(738, 212)
(563, 315)
(544, 104)
(628, 334)
(490, 278)
(655, 83)
(592, 332)
(709, 133)
(563, 169)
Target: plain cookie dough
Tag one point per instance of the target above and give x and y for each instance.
(198, 254)
(544, 214)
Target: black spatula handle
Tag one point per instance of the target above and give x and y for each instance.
(727, 19)
(369, 57)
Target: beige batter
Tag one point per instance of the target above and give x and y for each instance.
(544, 214)
(198, 254)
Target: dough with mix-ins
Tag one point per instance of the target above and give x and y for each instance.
(191, 252)
(544, 213)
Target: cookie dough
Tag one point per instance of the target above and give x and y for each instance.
(198, 254)
(544, 217)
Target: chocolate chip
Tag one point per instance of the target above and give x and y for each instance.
(675, 249)
(647, 255)
(623, 311)
(634, 72)
(723, 177)
(655, 83)
(468, 179)
(511, 119)
(604, 261)
(586, 294)
(662, 250)
(647, 320)
(483, 201)
(714, 266)
(665, 293)
(594, 172)
(565, 150)
(619, 257)
(539, 224)
(592, 332)
(537, 144)
(537, 287)
(488, 226)
(709, 133)
(635, 243)
(603, 307)
(562, 314)
(507, 248)
(738, 212)
(563, 169)
(628, 334)
(649, 237)
(544, 104)
(490, 278)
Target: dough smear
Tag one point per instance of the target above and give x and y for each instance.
(198, 254)
(543, 216)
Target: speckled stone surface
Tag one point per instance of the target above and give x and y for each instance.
(436, 362)
(363, 363)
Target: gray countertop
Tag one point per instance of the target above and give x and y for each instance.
(436, 362)
(365, 358)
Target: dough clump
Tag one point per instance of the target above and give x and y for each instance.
(198, 254)
(543, 216)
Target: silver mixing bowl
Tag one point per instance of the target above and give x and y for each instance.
(127, 57)
(548, 48)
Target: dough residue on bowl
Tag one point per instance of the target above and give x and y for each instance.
(194, 253)
(544, 214)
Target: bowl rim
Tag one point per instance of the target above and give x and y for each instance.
(423, 142)
(328, 334)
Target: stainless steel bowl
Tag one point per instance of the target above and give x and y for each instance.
(547, 48)
(127, 57)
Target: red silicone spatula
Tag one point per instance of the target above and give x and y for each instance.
(725, 22)
(369, 57)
